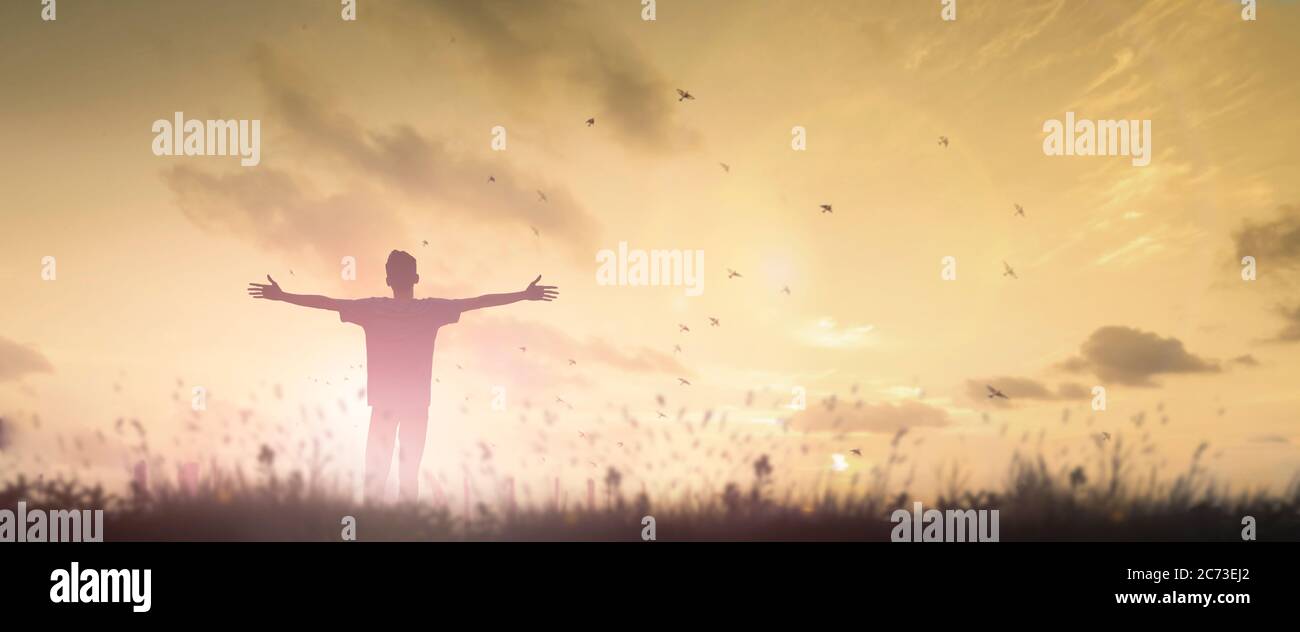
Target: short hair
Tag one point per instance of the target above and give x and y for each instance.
(400, 263)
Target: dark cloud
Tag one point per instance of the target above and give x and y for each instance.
(554, 50)
(1023, 388)
(1072, 390)
(277, 208)
(421, 167)
(18, 360)
(1291, 330)
(882, 418)
(1274, 243)
(1272, 438)
(1130, 356)
(268, 208)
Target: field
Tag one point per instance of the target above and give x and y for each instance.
(1035, 503)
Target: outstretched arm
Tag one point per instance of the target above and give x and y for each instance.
(533, 292)
(274, 293)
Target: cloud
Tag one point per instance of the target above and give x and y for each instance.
(269, 208)
(1291, 330)
(1274, 243)
(829, 334)
(1272, 438)
(1030, 22)
(531, 46)
(420, 167)
(1246, 360)
(1131, 251)
(386, 172)
(492, 333)
(1123, 60)
(1023, 388)
(882, 418)
(1132, 357)
(18, 360)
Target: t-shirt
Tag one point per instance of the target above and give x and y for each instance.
(399, 345)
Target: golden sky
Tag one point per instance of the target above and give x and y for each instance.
(376, 134)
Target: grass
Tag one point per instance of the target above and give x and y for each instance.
(1104, 502)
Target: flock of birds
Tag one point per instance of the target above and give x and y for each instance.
(644, 447)
(685, 95)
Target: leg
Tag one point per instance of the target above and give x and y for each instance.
(379, 452)
(410, 451)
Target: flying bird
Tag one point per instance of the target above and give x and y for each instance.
(826, 208)
(677, 348)
(683, 95)
(424, 242)
(492, 178)
(591, 121)
(683, 329)
(1020, 210)
(943, 140)
(683, 381)
(786, 289)
(524, 349)
(1009, 272)
(713, 322)
(856, 452)
(731, 274)
(725, 167)
(572, 362)
(536, 233)
(993, 393)
(541, 197)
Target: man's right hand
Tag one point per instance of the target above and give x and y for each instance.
(262, 290)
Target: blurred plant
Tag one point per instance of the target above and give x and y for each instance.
(612, 494)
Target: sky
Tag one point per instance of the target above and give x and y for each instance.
(377, 134)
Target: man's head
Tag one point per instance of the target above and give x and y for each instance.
(401, 271)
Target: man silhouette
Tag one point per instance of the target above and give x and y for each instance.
(400, 333)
